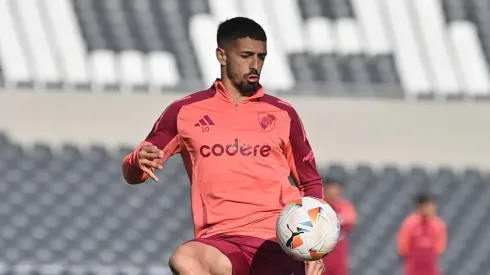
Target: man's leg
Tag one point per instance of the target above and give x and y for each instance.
(269, 258)
(264, 257)
(195, 258)
(209, 256)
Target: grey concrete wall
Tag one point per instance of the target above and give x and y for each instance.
(347, 130)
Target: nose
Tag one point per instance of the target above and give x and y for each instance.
(254, 64)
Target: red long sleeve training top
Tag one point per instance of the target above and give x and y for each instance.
(238, 158)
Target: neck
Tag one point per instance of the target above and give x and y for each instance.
(232, 90)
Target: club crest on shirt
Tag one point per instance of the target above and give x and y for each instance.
(267, 121)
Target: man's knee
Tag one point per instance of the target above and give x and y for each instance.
(199, 258)
(185, 260)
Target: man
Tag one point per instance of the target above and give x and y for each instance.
(239, 147)
(337, 262)
(422, 238)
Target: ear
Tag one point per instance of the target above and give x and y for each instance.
(221, 56)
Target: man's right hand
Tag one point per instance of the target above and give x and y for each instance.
(147, 156)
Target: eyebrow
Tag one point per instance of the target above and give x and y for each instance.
(252, 52)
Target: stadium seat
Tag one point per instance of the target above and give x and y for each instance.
(334, 47)
(14, 64)
(68, 211)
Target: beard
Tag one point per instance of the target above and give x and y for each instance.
(241, 83)
(246, 88)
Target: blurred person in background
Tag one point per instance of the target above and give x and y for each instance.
(422, 238)
(337, 262)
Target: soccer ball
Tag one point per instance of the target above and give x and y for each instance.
(308, 229)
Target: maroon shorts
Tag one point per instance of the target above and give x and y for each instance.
(254, 256)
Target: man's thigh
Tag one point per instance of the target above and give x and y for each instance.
(231, 251)
(266, 257)
(254, 256)
(192, 257)
(269, 258)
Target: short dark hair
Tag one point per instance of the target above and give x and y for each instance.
(424, 197)
(239, 27)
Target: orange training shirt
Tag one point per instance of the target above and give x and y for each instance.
(238, 158)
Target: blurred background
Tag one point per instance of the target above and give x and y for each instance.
(393, 94)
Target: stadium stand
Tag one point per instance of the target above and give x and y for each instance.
(387, 48)
(66, 209)
(69, 210)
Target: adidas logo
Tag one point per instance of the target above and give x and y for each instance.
(204, 121)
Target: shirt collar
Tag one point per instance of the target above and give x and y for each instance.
(223, 93)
